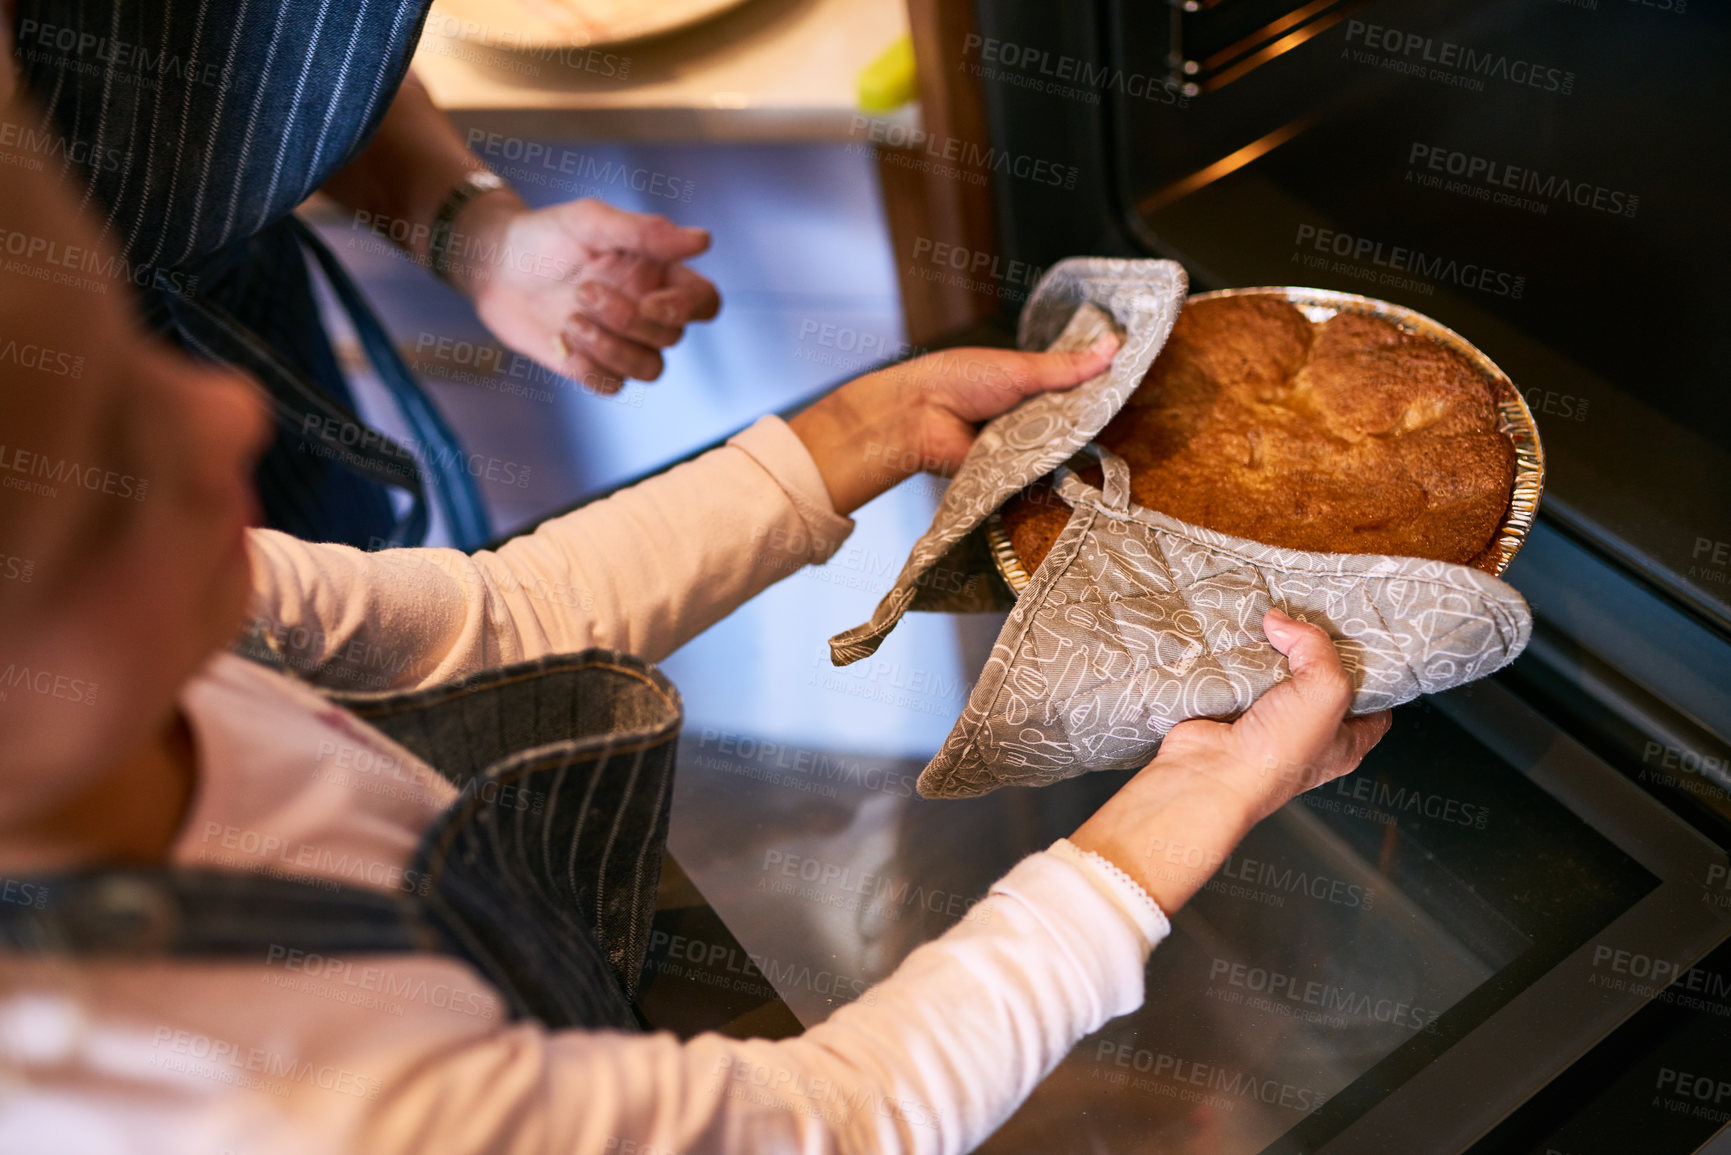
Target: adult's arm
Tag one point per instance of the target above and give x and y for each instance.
(588, 290)
(408, 168)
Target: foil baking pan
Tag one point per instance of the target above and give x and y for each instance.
(1514, 420)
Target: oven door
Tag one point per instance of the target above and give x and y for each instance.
(1526, 174)
(1543, 177)
(1393, 962)
(1550, 1002)
(1398, 960)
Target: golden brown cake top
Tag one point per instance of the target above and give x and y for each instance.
(1348, 436)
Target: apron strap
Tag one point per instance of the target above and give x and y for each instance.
(339, 433)
(303, 408)
(241, 916)
(546, 969)
(165, 911)
(458, 496)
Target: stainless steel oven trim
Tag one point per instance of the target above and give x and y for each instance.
(1466, 1091)
(1719, 1144)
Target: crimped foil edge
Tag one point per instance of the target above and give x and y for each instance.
(1515, 421)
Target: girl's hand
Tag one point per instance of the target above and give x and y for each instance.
(923, 414)
(1172, 825)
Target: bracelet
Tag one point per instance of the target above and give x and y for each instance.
(474, 183)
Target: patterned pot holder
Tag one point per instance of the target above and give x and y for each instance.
(1136, 621)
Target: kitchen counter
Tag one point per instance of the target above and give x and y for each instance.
(769, 70)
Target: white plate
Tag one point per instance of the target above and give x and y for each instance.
(527, 25)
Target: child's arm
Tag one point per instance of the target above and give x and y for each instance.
(654, 565)
(931, 1060)
(643, 571)
(938, 1055)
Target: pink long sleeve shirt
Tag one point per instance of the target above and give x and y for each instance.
(411, 1054)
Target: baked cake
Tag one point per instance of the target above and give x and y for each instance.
(1348, 436)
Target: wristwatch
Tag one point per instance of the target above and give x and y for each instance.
(474, 183)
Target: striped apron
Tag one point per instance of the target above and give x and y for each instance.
(190, 129)
(542, 875)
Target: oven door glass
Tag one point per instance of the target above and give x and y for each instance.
(1354, 937)
(1547, 179)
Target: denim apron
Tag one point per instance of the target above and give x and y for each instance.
(542, 875)
(191, 129)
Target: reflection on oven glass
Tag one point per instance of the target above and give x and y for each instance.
(1494, 166)
(1353, 937)
(1296, 970)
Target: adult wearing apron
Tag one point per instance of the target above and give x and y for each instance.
(193, 128)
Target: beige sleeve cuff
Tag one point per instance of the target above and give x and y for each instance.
(1126, 894)
(774, 445)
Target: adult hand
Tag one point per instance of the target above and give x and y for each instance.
(1172, 825)
(588, 290)
(923, 414)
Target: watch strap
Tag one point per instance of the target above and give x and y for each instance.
(474, 183)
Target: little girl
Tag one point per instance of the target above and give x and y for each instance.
(190, 871)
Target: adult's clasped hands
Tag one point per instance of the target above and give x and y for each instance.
(592, 292)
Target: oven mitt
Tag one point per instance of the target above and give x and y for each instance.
(1073, 304)
(1136, 621)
